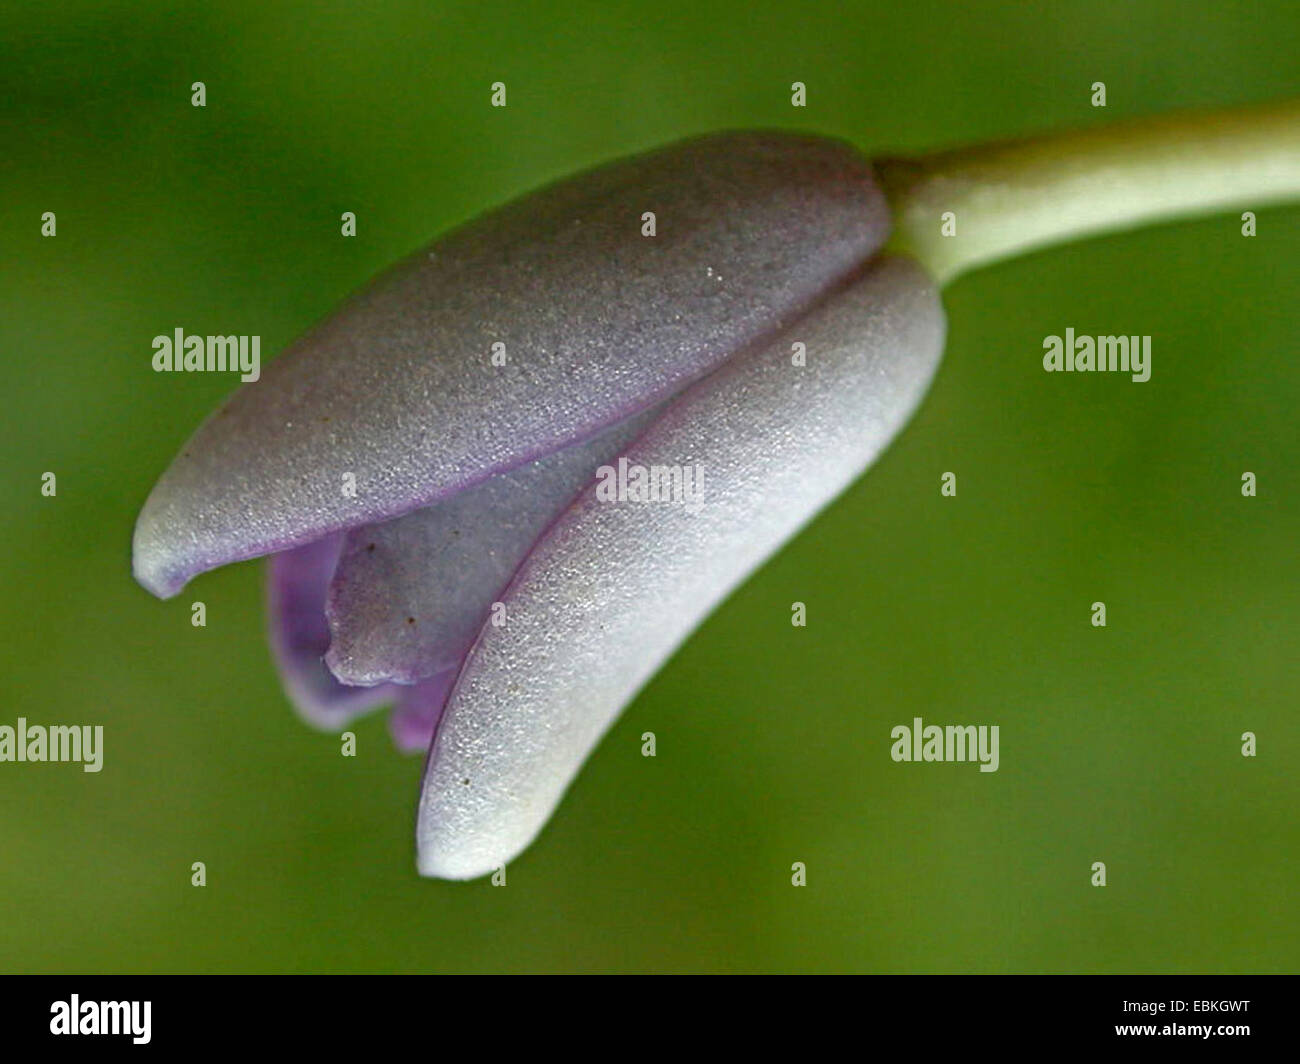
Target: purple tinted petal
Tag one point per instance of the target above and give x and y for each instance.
(296, 585)
(409, 595)
(416, 713)
(398, 387)
(614, 587)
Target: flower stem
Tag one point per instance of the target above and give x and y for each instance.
(1010, 197)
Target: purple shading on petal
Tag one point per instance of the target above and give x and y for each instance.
(417, 711)
(296, 584)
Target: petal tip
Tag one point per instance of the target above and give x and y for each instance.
(435, 864)
(454, 855)
(151, 564)
(465, 831)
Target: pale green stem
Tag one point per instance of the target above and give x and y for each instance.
(1008, 198)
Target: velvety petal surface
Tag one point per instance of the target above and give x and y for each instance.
(409, 595)
(614, 587)
(398, 388)
(297, 581)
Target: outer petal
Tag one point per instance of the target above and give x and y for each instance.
(410, 594)
(598, 322)
(613, 588)
(296, 585)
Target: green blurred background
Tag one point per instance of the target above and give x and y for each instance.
(1120, 745)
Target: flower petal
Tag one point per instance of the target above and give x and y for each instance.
(598, 321)
(409, 595)
(614, 587)
(296, 585)
(415, 715)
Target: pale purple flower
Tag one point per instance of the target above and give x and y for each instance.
(477, 577)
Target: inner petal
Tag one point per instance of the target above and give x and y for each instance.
(409, 595)
(417, 710)
(297, 581)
